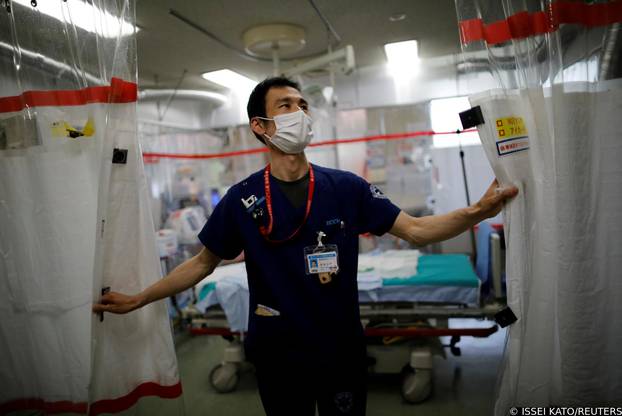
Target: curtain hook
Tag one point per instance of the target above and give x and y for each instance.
(33, 3)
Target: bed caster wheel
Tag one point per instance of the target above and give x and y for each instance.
(417, 385)
(224, 377)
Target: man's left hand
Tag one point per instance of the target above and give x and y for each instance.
(492, 202)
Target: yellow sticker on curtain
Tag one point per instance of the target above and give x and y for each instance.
(62, 128)
(510, 127)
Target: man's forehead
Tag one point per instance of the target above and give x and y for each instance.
(282, 94)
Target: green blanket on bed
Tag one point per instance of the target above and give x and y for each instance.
(440, 270)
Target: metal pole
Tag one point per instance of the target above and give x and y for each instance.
(468, 198)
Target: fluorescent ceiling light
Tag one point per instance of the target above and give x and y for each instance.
(402, 57)
(84, 16)
(210, 96)
(229, 79)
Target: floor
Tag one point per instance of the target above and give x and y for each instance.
(462, 385)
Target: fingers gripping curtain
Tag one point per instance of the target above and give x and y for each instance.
(546, 76)
(71, 221)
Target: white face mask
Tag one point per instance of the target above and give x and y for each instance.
(293, 131)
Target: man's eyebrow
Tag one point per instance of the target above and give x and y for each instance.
(291, 100)
(284, 100)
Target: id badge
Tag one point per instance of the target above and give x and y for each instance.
(323, 260)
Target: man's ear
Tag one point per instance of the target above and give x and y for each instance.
(257, 126)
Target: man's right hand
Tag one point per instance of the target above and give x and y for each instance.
(117, 303)
(184, 276)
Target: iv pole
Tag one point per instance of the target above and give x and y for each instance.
(466, 190)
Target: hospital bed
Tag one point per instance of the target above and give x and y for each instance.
(404, 307)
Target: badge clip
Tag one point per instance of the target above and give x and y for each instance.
(320, 235)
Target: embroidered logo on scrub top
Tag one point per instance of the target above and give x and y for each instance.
(344, 401)
(376, 193)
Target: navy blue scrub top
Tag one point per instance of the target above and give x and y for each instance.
(317, 321)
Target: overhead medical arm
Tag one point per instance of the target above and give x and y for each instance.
(425, 230)
(184, 276)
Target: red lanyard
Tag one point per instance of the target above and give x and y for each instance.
(265, 231)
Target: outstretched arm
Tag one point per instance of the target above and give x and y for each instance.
(186, 275)
(425, 230)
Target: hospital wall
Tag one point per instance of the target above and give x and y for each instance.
(233, 112)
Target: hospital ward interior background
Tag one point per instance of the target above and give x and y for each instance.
(123, 124)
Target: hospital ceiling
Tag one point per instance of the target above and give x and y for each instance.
(173, 33)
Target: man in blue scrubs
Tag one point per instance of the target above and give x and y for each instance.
(298, 225)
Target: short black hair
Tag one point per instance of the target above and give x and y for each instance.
(256, 106)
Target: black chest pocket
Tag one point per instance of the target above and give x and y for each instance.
(335, 227)
(331, 220)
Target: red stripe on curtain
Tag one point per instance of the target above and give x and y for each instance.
(125, 402)
(103, 406)
(525, 24)
(119, 91)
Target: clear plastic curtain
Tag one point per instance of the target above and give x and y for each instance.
(546, 76)
(176, 183)
(71, 221)
(189, 168)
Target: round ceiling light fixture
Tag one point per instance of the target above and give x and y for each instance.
(285, 38)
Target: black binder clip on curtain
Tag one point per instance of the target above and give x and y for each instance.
(505, 317)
